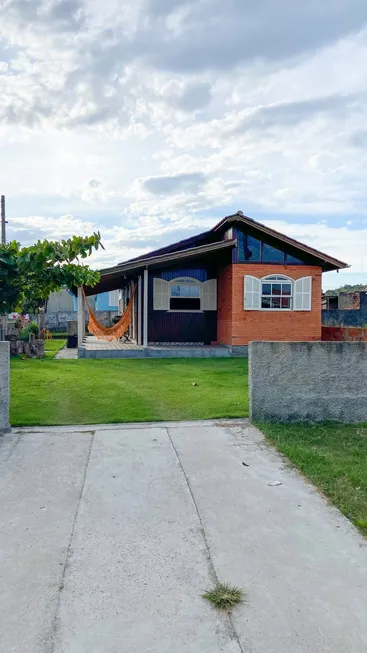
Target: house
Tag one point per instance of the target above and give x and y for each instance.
(61, 308)
(237, 282)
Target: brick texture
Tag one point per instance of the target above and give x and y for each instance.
(224, 308)
(347, 334)
(239, 327)
(349, 301)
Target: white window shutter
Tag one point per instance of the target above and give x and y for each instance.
(113, 298)
(160, 295)
(209, 295)
(252, 293)
(302, 294)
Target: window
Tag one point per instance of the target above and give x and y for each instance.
(272, 255)
(276, 293)
(253, 252)
(185, 296)
(292, 259)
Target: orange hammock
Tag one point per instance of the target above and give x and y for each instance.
(117, 330)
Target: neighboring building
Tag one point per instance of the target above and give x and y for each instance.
(61, 308)
(345, 309)
(60, 302)
(237, 282)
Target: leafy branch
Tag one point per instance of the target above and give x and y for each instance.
(29, 274)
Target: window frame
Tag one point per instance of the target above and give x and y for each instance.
(243, 244)
(189, 281)
(279, 279)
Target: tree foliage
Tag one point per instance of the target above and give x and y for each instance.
(347, 288)
(29, 274)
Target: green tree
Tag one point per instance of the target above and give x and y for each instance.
(29, 274)
(347, 288)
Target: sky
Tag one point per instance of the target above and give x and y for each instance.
(151, 120)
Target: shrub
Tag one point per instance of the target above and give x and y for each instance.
(24, 333)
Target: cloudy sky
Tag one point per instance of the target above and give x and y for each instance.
(151, 120)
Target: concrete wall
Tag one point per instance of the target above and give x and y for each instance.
(4, 387)
(308, 381)
(59, 321)
(347, 316)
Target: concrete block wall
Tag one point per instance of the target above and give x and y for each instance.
(353, 316)
(59, 321)
(4, 387)
(308, 381)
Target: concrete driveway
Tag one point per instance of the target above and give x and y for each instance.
(109, 535)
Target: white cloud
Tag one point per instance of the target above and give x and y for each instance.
(151, 120)
(341, 242)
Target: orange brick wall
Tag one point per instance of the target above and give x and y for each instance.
(224, 333)
(348, 334)
(238, 327)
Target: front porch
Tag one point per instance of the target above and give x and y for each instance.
(174, 306)
(92, 347)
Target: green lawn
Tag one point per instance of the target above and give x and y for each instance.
(52, 347)
(334, 457)
(46, 392)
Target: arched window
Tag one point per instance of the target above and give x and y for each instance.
(277, 293)
(184, 294)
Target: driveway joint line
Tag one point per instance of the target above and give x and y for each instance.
(7, 458)
(212, 569)
(67, 556)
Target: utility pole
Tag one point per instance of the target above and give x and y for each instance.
(3, 318)
(3, 221)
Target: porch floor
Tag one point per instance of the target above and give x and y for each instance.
(94, 348)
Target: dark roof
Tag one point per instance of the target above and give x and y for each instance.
(193, 241)
(130, 267)
(209, 242)
(215, 234)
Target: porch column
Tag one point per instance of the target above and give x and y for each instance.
(81, 318)
(145, 319)
(139, 310)
(133, 334)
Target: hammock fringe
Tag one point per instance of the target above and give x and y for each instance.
(117, 330)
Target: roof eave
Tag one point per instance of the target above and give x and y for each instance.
(329, 263)
(166, 258)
